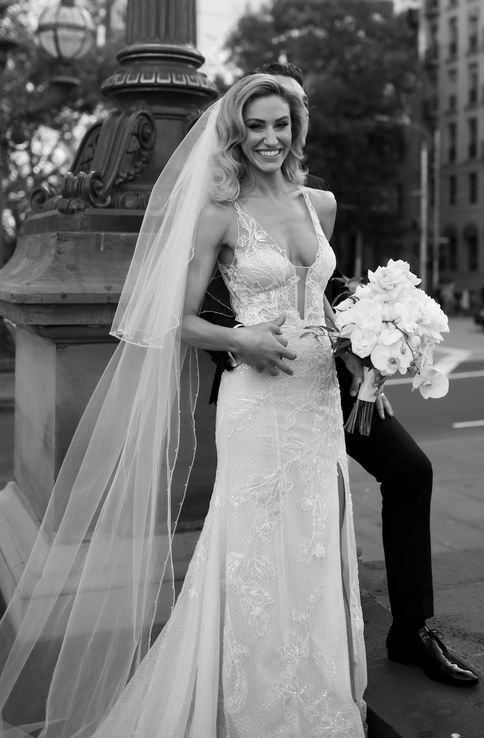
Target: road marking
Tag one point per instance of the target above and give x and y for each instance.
(466, 375)
(468, 424)
(456, 375)
(453, 358)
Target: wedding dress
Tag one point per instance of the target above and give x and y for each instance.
(266, 638)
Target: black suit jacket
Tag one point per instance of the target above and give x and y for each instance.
(216, 305)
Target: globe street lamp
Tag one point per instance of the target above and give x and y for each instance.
(66, 32)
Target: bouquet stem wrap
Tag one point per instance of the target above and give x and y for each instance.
(362, 413)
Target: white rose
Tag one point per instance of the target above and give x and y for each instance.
(390, 358)
(388, 280)
(408, 314)
(388, 312)
(433, 317)
(343, 317)
(389, 334)
(345, 304)
(367, 315)
(404, 267)
(363, 342)
(431, 383)
(346, 331)
(367, 291)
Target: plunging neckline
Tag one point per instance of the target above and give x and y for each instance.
(309, 205)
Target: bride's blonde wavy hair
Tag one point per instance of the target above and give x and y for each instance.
(229, 167)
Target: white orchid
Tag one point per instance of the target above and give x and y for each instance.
(390, 358)
(431, 382)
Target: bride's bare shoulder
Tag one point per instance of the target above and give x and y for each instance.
(216, 218)
(324, 201)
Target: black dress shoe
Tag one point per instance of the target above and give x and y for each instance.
(426, 650)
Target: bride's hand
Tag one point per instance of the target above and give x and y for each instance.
(264, 347)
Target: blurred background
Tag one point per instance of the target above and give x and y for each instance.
(396, 96)
(396, 92)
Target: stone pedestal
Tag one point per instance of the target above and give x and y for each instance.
(60, 289)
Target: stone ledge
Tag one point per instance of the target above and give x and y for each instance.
(402, 701)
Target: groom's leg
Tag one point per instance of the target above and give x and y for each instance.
(391, 455)
(405, 475)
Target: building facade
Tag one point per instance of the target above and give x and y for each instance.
(454, 99)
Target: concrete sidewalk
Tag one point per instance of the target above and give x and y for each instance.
(402, 701)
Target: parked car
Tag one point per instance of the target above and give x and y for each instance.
(478, 315)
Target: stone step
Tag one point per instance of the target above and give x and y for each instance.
(402, 701)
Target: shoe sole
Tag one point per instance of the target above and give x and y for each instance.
(405, 661)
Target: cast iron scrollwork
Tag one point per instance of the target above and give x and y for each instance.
(111, 154)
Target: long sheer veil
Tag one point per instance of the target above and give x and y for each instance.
(81, 617)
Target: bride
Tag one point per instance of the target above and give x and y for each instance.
(266, 637)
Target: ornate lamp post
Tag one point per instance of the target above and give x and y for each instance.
(7, 42)
(7, 45)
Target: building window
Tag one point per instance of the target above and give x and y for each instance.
(452, 141)
(473, 183)
(472, 253)
(452, 87)
(400, 192)
(473, 29)
(453, 36)
(452, 189)
(453, 252)
(471, 239)
(472, 143)
(473, 84)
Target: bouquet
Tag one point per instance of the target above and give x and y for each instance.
(393, 326)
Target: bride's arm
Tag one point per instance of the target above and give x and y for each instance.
(260, 345)
(212, 232)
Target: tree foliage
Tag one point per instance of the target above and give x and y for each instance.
(40, 128)
(360, 65)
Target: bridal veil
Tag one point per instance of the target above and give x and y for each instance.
(81, 618)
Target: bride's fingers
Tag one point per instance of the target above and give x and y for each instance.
(283, 341)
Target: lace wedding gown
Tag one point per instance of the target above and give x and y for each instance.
(266, 639)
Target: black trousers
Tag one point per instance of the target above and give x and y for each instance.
(404, 472)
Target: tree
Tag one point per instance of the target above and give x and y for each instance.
(42, 131)
(360, 65)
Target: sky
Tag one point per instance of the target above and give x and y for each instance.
(215, 20)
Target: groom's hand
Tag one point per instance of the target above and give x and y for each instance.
(354, 365)
(264, 347)
(383, 406)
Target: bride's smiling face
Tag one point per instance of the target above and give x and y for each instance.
(268, 133)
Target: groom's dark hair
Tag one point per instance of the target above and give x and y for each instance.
(278, 68)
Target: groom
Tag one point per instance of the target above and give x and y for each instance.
(388, 453)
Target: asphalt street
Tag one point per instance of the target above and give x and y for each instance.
(451, 432)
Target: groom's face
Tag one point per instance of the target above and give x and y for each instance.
(293, 86)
